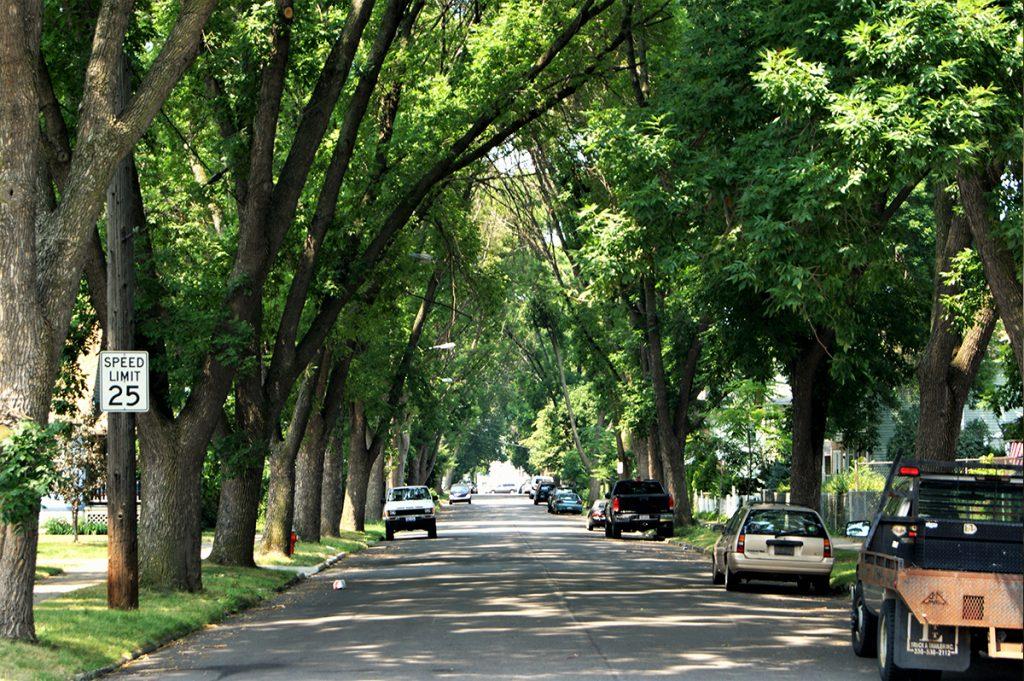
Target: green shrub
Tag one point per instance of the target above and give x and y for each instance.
(57, 526)
(92, 528)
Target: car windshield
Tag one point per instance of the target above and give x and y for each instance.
(998, 501)
(639, 487)
(409, 494)
(784, 521)
(460, 489)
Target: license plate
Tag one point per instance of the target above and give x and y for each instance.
(409, 519)
(783, 550)
(646, 517)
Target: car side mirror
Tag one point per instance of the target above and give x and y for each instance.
(607, 495)
(857, 528)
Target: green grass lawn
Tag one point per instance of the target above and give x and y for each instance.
(58, 553)
(78, 633)
(844, 567)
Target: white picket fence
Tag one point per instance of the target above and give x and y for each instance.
(836, 509)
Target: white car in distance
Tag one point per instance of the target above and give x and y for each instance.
(409, 508)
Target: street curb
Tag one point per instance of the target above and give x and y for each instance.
(153, 647)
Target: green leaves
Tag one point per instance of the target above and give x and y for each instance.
(25, 469)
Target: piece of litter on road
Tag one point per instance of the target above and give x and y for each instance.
(338, 584)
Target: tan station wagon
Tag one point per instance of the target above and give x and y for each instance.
(776, 542)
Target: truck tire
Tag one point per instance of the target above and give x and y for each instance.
(863, 625)
(535, 501)
(607, 529)
(389, 532)
(887, 669)
(432, 530)
(716, 576)
(666, 531)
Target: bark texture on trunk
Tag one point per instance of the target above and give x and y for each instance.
(309, 474)
(234, 540)
(950, 360)
(640, 451)
(353, 513)
(281, 488)
(169, 551)
(668, 443)
(1001, 273)
(810, 385)
(401, 455)
(332, 493)
(375, 492)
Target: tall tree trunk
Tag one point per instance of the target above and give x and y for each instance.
(309, 473)
(234, 540)
(401, 455)
(640, 445)
(353, 513)
(169, 552)
(27, 362)
(375, 492)
(998, 261)
(810, 384)
(281, 487)
(623, 455)
(588, 464)
(331, 492)
(950, 360)
(669, 447)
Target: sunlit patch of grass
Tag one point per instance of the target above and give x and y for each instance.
(62, 552)
(701, 536)
(844, 568)
(78, 633)
(313, 553)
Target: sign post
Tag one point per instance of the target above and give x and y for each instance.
(124, 374)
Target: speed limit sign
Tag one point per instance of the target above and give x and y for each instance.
(124, 381)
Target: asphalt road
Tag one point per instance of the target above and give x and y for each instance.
(508, 591)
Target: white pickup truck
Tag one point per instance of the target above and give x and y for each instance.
(409, 508)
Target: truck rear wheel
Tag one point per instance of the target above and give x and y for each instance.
(887, 669)
(432, 530)
(863, 625)
(389, 532)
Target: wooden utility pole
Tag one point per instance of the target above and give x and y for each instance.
(123, 218)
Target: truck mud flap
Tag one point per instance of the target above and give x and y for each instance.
(920, 646)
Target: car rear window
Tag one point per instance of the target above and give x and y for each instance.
(1000, 501)
(639, 487)
(784, 522)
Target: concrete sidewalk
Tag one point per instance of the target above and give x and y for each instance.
(81, 576)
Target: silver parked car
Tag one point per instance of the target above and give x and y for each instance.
(777, 542)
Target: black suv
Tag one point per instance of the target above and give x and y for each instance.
(544, 490)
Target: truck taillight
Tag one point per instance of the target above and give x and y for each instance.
(740, 543)
(671, 502)
(826, 552)
(615, 504)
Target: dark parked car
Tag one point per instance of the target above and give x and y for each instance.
(544, 490)
(595, 516)
(565, 501)
(639, 505)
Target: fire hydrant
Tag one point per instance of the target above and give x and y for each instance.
(292, 538)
